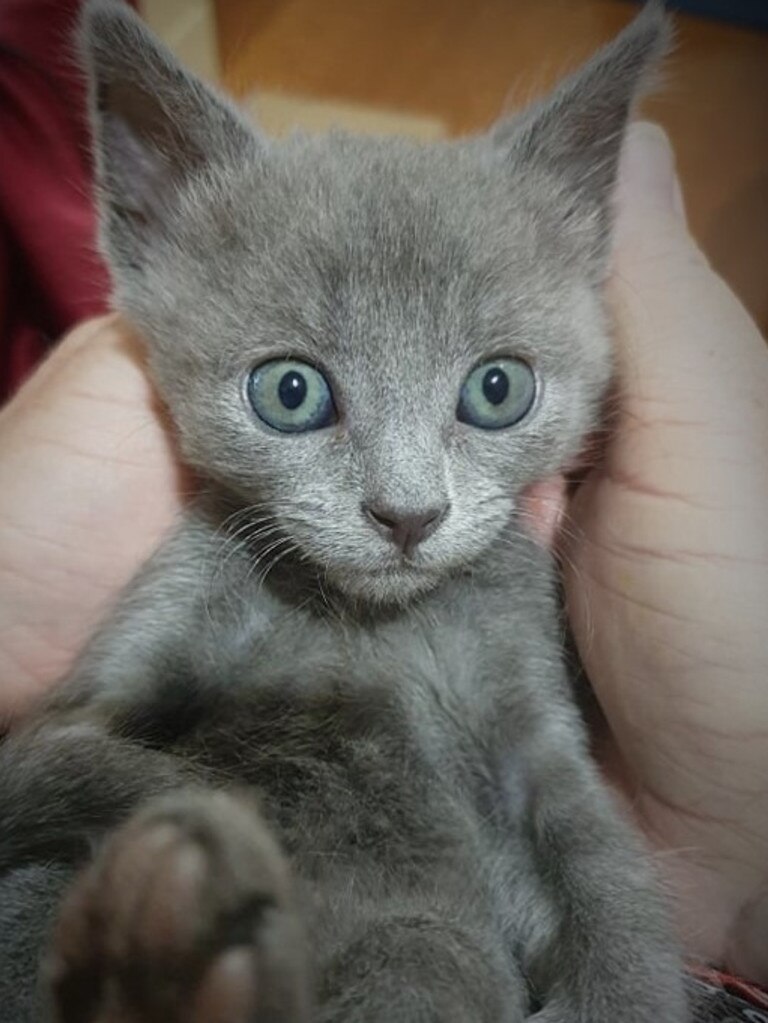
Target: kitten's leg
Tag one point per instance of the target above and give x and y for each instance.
(63, 786)
(420, 969)
(600, 946)
(184, 917)
(29, 899)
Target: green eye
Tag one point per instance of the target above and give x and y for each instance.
(291, 396)
(497, 394)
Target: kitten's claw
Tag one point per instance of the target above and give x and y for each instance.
(184, 916)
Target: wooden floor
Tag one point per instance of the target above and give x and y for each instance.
(456, 61)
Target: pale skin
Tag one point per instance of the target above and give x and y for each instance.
(665, 548)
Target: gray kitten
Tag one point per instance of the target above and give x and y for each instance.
(323, 761)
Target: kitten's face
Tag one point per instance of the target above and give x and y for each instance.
(393, 273)
(352, 332)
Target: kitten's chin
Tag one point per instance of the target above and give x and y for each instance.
(393, 586)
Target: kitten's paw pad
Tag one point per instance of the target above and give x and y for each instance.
(185, 915)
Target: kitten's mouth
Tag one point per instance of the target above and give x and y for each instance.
(404, 567)
(407, 565)
(391, 582)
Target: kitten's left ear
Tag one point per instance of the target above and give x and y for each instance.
(573, 138)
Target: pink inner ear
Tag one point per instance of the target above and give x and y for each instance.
(142, 174)
(541, 506)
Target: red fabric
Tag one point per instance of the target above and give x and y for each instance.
(754, 994)
(50, 274)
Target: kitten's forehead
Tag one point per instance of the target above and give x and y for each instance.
(362, 247)
(393, 205)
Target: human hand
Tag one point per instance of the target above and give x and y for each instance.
(666, 568)
(88, 483)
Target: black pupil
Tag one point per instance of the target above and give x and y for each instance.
(495, 385)
(292, 389)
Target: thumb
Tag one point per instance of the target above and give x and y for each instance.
(677, 321)
(648, 185)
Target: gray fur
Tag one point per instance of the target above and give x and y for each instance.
(409, 725)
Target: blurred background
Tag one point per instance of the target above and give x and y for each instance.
(430, 68)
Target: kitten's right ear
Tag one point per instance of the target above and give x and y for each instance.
(574, 136)
(154, 126)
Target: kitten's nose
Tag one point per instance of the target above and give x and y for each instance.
(405, 527)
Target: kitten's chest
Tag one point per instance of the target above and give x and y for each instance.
(442, 686)
(383, 741)
(358, 767)
(436, 660)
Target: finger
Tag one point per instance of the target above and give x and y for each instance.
(89, 482)
(678, 321)
(648, 184)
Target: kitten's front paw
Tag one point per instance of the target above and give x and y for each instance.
(186, 916)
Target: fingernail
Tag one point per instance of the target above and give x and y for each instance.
(647, 173)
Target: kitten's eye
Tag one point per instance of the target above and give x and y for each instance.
(497, 394)
(292, 397)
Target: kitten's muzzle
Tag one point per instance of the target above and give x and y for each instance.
(406, 528)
